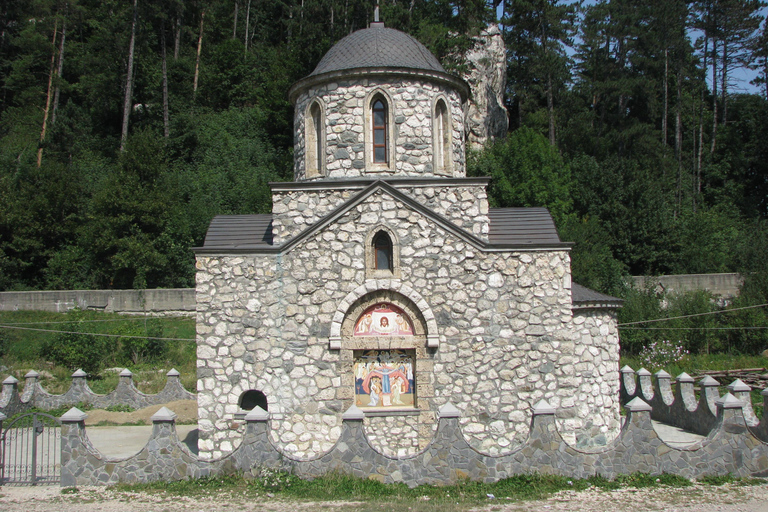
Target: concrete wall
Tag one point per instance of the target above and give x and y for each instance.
(723, 285)
(159, 301)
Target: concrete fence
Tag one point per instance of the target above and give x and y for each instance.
(181, 301)
(34, 395)
(172, 301)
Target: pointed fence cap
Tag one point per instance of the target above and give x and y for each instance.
(661, 374)
(637, 404)
(543, 407)
(74, 415)
(738, 385)
(708, 381)
(728, 401)
(126, 373)
(627, 369)
(163, 414)
(31, 374)
(354, 413)
(448, 410)
(79, 373)
(764, 392)
(684, 378)
(10, 380)
(257, 414)
(173, 372)
(642, 372)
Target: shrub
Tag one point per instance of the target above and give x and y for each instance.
(74, 348)
(662, 353)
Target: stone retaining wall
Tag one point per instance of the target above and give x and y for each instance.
(731, 448)
(34, 395)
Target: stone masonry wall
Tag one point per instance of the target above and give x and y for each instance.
(411, 108)
(730, 449)
(504, 323)
(464, 205)
(596, 361)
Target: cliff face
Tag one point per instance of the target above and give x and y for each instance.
(486, 118)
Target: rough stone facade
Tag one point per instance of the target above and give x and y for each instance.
(412, 106)
(487, 304)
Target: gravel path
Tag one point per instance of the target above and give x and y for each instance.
(726, 498)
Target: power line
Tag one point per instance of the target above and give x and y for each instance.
(693, 328)
(691, 316)
(95, 334)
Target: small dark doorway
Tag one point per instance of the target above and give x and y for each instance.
(252, 398)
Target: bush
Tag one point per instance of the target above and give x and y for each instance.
(74, 348)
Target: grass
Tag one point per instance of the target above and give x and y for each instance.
(370, 494)
(21, 350)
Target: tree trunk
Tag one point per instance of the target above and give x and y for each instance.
(234, 25)
(59, 68)
(49, 94)
(714, 96)
(666, 98)
(697, 179)
(177, 38)
(247, 25)
(724, 82)
(166, 114)
(679, 139)
(129, 79)
(199, 49)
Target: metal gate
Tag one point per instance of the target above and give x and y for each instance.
(30, 450)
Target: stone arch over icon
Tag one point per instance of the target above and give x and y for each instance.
(425, 330)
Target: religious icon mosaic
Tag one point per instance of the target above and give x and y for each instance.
(383, 320)
(384, 379)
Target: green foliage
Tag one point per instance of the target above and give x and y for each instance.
(526, 171)
(119, 408)
(75, 350)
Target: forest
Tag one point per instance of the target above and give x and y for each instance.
(126, 125)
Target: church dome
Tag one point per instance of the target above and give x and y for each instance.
(378, 47)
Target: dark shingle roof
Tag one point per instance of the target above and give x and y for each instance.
(239, 232)
(378, 47)
(521, 227)
(584, 297)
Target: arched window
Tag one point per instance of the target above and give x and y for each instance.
(442, 138)
(251, 399)
(314, 141)
(380, 132)
(382, 251)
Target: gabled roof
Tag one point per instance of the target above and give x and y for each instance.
(517, 229)
(239, 232)
(584, 298)
(522, 227)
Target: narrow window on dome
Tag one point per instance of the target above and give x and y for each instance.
(382, 251)
(314, 141)
(380, 143)
(442, 138)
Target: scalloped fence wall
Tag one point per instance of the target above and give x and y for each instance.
(729, 449)
(733, 445)
(34, 395)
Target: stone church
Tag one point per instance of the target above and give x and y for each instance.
(383, 280)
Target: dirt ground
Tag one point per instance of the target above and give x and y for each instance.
(186, 411)
(698, 498)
